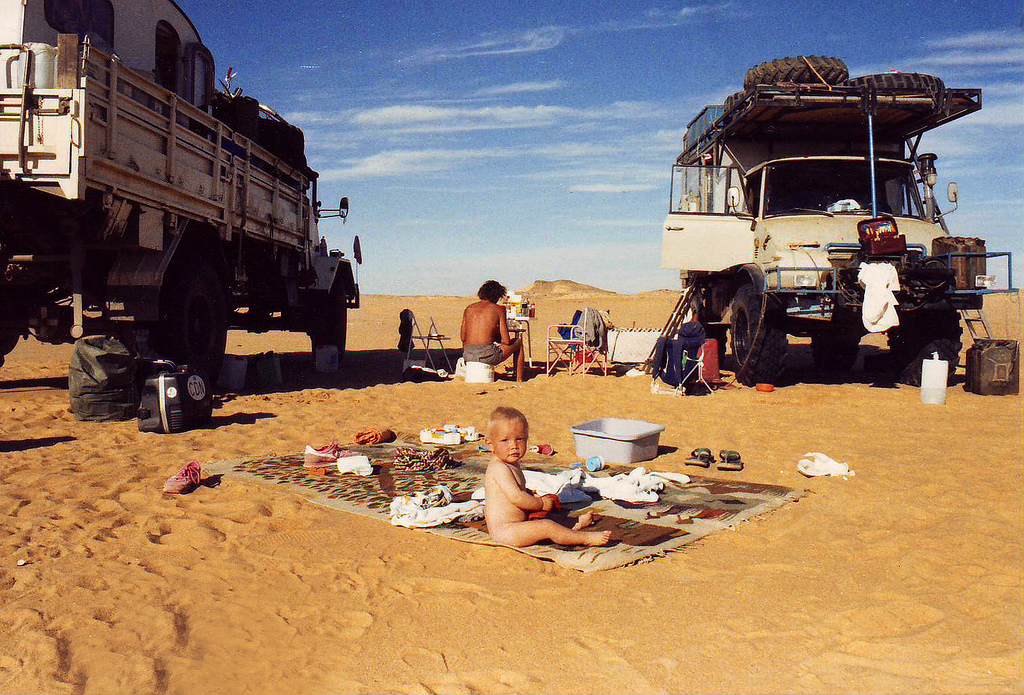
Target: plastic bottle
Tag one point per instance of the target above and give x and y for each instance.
(933, 380)
(594, 463)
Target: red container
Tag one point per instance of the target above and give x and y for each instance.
(710, 351)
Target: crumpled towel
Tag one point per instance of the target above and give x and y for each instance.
(566, 485)
(417, 511)
(636, 486)
(374, 435)
(360, 465)
(880, 281)
(817, 463)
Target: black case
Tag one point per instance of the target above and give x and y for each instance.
(174, 400)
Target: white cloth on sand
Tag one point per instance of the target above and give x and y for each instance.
(815, 463)
(360, 465)
(880, 281)
(417, 511)
(566, 484)
(636, 486)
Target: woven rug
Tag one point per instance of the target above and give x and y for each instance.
(682, 514)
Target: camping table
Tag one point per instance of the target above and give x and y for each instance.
(516, 328)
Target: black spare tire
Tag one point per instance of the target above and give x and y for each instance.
(798, 69)
(901, 82)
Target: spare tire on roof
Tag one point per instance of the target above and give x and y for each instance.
(901, 81)
(796, 69)
(732, 100)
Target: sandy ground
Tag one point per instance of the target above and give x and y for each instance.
(904, 578)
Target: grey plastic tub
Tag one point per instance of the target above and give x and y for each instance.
(617, 440)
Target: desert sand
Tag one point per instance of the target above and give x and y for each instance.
(904, 578)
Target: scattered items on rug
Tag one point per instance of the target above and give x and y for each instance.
(700, 456)
(449, 435)
(816, 463)
(567, 485)
(184, 481)
(592, 464)
(576, 485)
(729, 460)
(433, 508)
(543, 449)
(323, 456)
(556, 506)
(413, 460)
(369, 436)
(356, 463)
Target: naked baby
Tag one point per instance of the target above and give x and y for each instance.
(509, 503)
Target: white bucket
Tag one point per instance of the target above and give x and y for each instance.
(479, 373)
(232, 373)
(933, 380)
(326, 358)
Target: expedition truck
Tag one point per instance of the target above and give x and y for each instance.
(782, 193)
(137, 201)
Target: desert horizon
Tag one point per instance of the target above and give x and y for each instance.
(905, 577)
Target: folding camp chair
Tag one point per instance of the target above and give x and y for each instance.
(568, 346)
(679, 360)
(410, 334)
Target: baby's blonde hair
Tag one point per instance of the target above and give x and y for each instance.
(505, 414)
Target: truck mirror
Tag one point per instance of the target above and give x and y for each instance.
(732, 198)
(951, 191)
(343, 207)
(357, 250)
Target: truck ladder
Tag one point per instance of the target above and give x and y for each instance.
(676, 319)
(975, 320)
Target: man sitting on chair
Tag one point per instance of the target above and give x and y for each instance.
(484, 332)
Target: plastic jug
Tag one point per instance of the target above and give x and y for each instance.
(933, 380)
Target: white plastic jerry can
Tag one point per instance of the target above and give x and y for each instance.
(933, 380)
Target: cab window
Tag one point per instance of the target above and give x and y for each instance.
(168, 50)
(93, 18)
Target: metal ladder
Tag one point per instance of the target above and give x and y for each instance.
(675, 320)
(975, 320)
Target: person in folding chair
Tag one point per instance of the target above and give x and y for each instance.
(484, 333)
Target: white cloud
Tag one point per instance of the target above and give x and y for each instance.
(979, 39)
(531, 41)
(987, 56)
(405, 162)
(519, 88)
(611, 188)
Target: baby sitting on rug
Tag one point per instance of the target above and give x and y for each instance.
(511, 511)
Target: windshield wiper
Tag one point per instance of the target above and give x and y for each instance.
(811, 210)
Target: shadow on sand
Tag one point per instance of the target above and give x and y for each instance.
(12, 445)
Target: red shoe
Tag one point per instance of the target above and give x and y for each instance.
(327, 455)
(185, 480)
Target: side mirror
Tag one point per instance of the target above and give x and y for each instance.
(732, 198)
(952, 191)
(357, 250)
(343, 208)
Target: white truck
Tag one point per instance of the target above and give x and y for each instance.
(137, 201)
(782, 194)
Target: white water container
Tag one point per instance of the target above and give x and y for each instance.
(44, 67)
(232, 373)
(933, 380)
(326, 358)
(479, 373)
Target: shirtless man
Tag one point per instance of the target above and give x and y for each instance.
(484, 330)
(508, 500)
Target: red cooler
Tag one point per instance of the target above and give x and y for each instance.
(710, 354)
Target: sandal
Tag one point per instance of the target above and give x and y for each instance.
(729, 460)
(700, 457)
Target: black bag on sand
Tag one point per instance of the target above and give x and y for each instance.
(101, 380)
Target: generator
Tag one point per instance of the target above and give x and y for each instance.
(174, 399)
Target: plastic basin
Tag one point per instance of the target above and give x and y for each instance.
(617, 440)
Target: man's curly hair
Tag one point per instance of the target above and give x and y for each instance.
(491, 291)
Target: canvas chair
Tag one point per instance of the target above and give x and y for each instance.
(411, 337)
(568, 346)
(679, 360)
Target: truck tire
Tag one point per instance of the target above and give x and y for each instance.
(332, 324)
(794, 69)
(901, 81)
(767, 358)
(195, 326)
(919, 336)
(732, 100)
(834, 352)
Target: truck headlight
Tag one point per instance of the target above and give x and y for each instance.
(805, 280)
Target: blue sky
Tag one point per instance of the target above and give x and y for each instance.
(534, 140)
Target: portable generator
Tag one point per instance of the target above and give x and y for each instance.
(174, 399)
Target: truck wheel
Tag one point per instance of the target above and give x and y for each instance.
(919, 336)
(834, 352)
(901, 81)
(767, 356)
(795, 69)
(332, 324)
(196, 322)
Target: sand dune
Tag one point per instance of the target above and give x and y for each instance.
(904, 578)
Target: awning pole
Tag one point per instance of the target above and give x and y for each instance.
(871, 156)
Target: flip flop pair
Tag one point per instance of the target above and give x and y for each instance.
(728, 460)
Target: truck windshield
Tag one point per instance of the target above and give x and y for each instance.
(839, 186)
